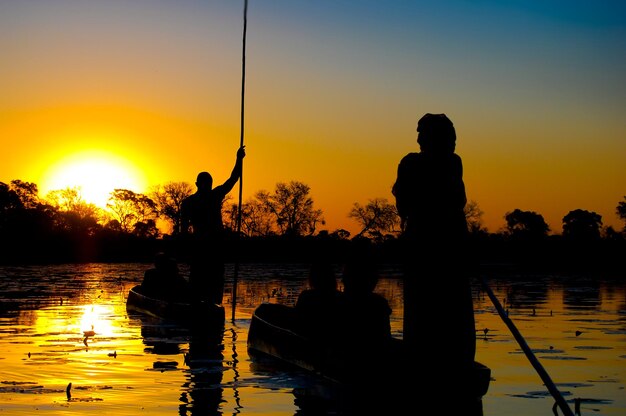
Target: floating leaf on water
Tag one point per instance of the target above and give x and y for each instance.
(573, 385)
(87, 399)
(165, 365)
(605, 380)
(93, 387)
(562, 357)
(551, 350)
(592, 347)
(17, 383)
(595, 401)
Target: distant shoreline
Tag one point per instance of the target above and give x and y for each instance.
(488, 255)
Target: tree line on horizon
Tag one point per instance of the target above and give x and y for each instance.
(288, 211)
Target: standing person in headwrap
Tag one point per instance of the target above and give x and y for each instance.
(430, 198)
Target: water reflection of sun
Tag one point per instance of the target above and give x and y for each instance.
(84, 318)
(96, 318)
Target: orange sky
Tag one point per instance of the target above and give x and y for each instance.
(334, 91)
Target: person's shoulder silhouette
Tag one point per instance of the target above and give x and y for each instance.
(164, 280)
(316, 306)
(429, 189)
(367, 312)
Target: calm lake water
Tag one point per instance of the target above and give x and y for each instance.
(135, 366)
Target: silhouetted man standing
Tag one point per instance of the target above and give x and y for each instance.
(202, 212)
(430, 198)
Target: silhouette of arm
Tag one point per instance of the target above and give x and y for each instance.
(400, 189)
(461, 197)
(227, 186)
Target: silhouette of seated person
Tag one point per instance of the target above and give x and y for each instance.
(164, 281)
(366, 314)
(365, 336)
(317, 306)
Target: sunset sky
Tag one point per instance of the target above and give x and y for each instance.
(148, 92)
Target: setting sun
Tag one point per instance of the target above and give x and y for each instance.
(96, 174)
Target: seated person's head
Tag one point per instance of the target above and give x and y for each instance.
(165, 263)
(322, 276)
(359, 277)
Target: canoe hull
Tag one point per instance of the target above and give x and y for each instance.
(271, 334)
(139, 302)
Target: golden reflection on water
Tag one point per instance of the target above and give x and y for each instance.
(94, 319)
(578, 333)
(132, 365)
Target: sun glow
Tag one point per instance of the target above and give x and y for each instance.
(96, 174)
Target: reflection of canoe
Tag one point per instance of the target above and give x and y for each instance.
(179, 310)
(271, 334)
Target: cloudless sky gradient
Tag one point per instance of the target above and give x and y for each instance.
(334, 89)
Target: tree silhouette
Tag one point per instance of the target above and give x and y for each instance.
(376, 217)
(582, 225)
(621, 211)
(256, 220)
(73, 214)
(527, 225)
(63, 227)
(474, 216)
(340, 234)
(9, 199)
(168, 200)
(10, 207)
(292, 208)
(130, 209)
(22, 214)
(27, 192)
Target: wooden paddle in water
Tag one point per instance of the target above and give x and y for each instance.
(529, 354)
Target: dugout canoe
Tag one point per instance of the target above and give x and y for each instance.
(273, 334)
(178, 310)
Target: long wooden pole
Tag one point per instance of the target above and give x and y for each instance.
(243, 96)
(529, 353)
